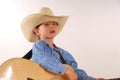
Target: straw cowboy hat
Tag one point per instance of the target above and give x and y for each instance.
(31, 21)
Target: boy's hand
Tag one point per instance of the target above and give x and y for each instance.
(70, 74)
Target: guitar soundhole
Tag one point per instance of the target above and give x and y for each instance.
(30, 79)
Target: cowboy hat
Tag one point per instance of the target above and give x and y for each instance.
(31, 21)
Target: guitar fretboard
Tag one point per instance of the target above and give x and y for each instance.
(114, 79)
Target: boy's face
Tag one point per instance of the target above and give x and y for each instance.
(47, 30)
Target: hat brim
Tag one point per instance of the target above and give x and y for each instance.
(31, 21)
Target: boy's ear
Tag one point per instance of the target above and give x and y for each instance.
(36, 31)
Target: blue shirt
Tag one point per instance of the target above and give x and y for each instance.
(50, 59)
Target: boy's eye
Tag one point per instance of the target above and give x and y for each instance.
(55, 23)
(46, 24)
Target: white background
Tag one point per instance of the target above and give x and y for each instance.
(91, 34)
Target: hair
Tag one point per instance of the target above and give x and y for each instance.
(36, 28)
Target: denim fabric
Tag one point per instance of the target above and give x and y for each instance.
(49, 58)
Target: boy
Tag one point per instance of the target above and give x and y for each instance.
(41, 28)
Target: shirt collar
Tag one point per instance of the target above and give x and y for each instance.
(46, 44)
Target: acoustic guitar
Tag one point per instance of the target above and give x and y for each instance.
(23, 69)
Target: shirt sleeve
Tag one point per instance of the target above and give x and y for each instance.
(82, 75)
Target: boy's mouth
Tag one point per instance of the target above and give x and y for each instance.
(52, 31)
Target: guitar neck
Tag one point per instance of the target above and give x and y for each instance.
(114, 79)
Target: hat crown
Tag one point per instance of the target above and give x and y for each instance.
(46, 11)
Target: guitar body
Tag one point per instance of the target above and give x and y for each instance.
(23, 69)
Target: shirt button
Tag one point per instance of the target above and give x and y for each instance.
(59, 72)
(53, 55)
